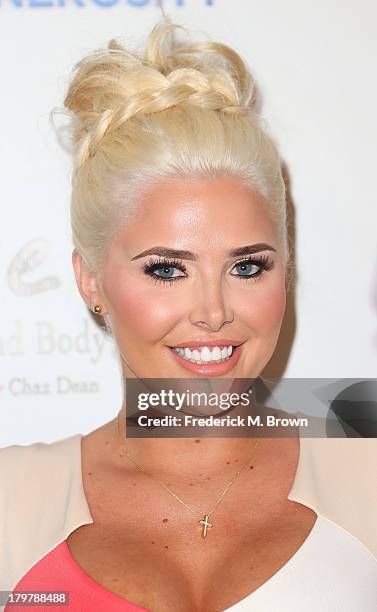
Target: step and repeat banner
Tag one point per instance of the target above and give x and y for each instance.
(314, 63)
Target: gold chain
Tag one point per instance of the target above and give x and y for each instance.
(204, 521)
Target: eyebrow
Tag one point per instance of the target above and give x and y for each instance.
(181, 254)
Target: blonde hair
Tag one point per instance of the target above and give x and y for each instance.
(173, 110)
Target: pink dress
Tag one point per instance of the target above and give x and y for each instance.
(58, 571)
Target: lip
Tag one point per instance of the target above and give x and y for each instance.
(208, 369)
(204, 342)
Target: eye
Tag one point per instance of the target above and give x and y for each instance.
(252, 268)
(162, 270)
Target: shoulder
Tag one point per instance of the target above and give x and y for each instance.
(41, 501)
(335, 476)
(33, 474)
(350, 456)
(39, 478)
(38, 460)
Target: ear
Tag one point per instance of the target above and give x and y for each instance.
(87, 283)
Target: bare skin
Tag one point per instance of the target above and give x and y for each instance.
(144, 545)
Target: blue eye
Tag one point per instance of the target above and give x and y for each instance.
(165, 271)
(171, 271)
(245, 267)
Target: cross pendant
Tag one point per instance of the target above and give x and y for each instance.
(205, 523)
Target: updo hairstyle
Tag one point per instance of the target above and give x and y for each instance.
(174, 110)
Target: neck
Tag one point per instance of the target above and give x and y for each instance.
(191, 456)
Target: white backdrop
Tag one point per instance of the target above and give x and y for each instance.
(315, 65)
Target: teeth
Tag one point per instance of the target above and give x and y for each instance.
(195, 355)
(205, 354)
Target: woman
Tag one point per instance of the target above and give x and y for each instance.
(180, 234)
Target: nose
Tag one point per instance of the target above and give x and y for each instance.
(210, 306)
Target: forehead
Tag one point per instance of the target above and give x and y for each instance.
(204, 212)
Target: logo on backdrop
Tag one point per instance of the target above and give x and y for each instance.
(42, 339)
(30, 257)
(101, 3)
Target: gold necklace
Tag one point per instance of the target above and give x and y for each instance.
(204, 522)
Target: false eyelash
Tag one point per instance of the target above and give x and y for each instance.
(154, 264)
(263, 261)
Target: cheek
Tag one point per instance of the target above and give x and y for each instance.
(266, 307)
(147, 313)
(274, 306)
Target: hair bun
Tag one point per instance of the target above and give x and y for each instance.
(113, 86)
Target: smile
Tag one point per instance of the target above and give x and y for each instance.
(208, 359)
(205, 354)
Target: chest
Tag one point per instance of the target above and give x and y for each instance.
(152, 553)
